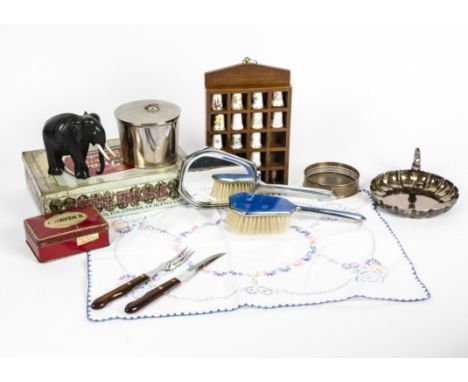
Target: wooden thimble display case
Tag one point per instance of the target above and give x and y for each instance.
(248, 113)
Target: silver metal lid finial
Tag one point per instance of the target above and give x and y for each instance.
(152, 107)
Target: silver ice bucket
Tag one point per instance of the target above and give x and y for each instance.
(148, 133)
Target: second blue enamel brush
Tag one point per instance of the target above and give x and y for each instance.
(267, 214)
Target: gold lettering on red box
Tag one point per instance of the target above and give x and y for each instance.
(65, 219)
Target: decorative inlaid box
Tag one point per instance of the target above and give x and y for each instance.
(121, 190)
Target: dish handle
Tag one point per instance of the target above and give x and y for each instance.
(417, 160)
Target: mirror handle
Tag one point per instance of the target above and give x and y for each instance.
(283, 190)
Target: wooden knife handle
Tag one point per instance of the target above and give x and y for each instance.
(152, 295)
(102, 301)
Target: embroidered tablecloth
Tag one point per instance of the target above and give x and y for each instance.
(318, 260)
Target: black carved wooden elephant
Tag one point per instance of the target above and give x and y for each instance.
(71, 134)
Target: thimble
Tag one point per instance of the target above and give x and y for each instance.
(277, 100)
(277, 121)
(217, 102)
(237, 123)
(236, 141)
(236, 103)
(257, 120)
(256, 158)
(274, 176)
(217, 141)
(218, 124)
(257, 101)
(256, 142)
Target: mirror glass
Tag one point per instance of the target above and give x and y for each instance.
(210, 178)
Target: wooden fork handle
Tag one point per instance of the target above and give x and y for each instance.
(102, 301)
(152, 295)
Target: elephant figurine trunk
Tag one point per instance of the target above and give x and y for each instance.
(71, 134)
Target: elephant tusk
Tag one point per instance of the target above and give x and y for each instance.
(110, 151)
(101, 150)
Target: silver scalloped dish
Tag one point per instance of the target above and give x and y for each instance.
(413, 193)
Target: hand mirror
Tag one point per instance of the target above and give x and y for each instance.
(209, 176)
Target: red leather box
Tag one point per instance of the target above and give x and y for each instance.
(57, 235)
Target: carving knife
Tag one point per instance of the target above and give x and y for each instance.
(164, 288)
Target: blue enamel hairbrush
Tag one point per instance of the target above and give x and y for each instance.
(267, 214)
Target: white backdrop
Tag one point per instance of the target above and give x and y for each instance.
(364, 95)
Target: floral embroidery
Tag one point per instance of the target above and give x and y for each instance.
(350, 265)
(269, 273)
(121, 226)
(179, 238)
(254, 288)
(126, 277)
(372, 271)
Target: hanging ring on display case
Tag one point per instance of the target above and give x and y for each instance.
(248, 60)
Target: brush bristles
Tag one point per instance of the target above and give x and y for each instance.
(221, 191)
(256, 224)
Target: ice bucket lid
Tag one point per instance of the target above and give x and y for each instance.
(147, 112)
